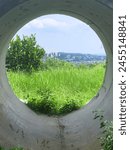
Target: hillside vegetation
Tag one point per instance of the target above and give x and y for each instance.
(49, 85)
(59, 87)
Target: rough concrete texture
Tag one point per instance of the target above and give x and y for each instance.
(19, 126)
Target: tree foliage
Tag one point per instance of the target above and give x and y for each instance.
(24, 54)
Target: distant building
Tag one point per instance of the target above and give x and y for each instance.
(76, 57)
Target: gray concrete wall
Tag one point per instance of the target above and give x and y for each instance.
(19, 126)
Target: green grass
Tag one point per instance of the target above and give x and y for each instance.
(58, 90)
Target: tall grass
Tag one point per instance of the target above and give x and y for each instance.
(60, 86)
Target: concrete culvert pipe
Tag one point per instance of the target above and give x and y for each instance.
(19, 126)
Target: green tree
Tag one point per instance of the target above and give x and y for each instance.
(24, 54)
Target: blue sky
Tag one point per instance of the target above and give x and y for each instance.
(60, 33)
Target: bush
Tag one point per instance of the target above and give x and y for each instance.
(107, 131)
(45, 104)
(24, 54)
(70, 106)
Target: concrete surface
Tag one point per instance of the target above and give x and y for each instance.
(19, 126)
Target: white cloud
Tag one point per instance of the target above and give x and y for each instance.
(42, 22)
(48, 22)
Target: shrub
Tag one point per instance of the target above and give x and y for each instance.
(24, 54)
(107, 131)
(45, 103)
(70, 106)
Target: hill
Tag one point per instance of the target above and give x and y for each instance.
(77, 57)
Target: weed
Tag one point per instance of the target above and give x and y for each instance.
(45, 104)
(107, 131)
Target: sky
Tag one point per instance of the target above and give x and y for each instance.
(61, 33)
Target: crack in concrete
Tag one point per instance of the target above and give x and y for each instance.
(61, 135)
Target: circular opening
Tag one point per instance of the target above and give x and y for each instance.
(77, 130)
(55, 64)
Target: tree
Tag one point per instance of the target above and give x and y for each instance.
(24, 54)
